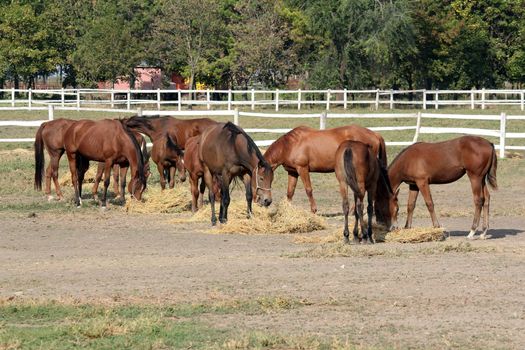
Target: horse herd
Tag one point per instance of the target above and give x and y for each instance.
(217, 153)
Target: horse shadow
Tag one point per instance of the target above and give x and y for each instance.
(493, 233)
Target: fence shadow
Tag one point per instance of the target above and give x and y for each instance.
(493, 233)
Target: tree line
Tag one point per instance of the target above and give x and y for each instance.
(319, 44)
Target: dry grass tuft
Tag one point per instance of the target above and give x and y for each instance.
(157, 201)
(412, 235)
(89, 176)
(280, 218)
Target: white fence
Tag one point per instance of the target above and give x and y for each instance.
(230, 99)
(418, 128)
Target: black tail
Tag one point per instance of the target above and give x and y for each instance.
(39, 157)
(491, 174)
(173, 146)
(138, 152)
(351, 179)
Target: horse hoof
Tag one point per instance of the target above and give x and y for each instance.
(103, 208)
(346, 240)
(49, 198)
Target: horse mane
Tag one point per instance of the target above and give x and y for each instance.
(252, 147)
(173, 146)
(140, 123)
(138, 152)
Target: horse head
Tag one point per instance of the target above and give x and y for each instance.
(386, 205)
(177, 155)
(262, 179)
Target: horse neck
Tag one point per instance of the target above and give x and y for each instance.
(395, 174)
(273, 154)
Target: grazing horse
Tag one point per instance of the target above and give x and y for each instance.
(179, 130)
(50, 135)
(195, 169)
(167, 154)
(304, 150)
(226, 151)
(119, 172)
(423, 164)
(357, 167)
(108, 141)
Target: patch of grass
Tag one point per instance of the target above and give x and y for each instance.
(461, 247)
(340, 249)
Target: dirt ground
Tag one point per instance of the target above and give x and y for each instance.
(401, 296)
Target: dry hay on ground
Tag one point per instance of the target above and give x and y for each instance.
(89, 176)
(280, 218)
(157, 201)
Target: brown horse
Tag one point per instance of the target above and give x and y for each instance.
(357, 167)
(423, 164)
(50, 135)
(226, 151)
(156, 127)
(108, 141)
(304, 150)
(119, 173)
(167, 154)
(195, 170)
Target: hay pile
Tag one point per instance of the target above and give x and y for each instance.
(157, 201)
(89, 176)
(414, 235)
(282, 217)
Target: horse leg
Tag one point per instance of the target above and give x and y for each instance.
(52, 173)
(98, 177)
(161, 170)
(343, 189)
(292, 183)
(479, 201)
(116, 180)
(225, 199)
(107, 177)
(486, 206)
(83, 167)
(305, 177)
(172, 176)
(208, 179)
(370, 213)
(122, 177)
(194, 192)
(412, 198)
(202, 188)
(247, 179)
(74, 177)
(425, 192)
(356, 220)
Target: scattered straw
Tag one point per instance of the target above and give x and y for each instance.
(157, 201)
(89, 176)
(414, 235)
(282, 217)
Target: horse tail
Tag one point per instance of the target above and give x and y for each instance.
(39, 157)
(172, 145)
(382, 153)
(138, 153)
(351, 179)
(493, 167)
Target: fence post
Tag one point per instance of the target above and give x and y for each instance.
(277, 100)
(112, 97)
(299, 100)
(50, 112)
(502, 134)
(208, 104)
(128, 95)
(62, 97)
(425, 99)
(522, 100)
(179, 99)
(322, 121)
(418, 126)
(78, 99)
(158, 99)
(377, 99)
(139, 111)
(436, 100)
(236, 116)
(328, 96)
(391, 99)
(472, 98)
(483, 98)
(30, 98)
(13, 97)
(253, 99)
(345, 99)
(229, 99)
